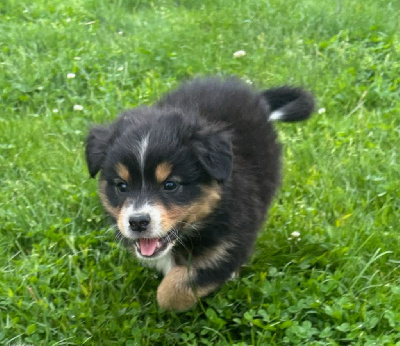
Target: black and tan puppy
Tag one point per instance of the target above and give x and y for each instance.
(189, 180)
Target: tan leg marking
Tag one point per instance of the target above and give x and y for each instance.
(176, 293)
(163, 170)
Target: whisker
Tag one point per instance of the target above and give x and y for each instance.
(175, 233)
(119, 238)
(191, 226)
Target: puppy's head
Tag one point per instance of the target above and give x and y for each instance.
(161, 173)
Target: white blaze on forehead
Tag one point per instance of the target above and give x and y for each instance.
(142, 154)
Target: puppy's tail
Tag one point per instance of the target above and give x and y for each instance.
(289, 104)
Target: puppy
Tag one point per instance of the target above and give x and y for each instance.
(189, 180)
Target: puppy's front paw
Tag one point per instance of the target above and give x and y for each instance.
(174, 292)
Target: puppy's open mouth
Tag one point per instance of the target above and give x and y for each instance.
(153, 247)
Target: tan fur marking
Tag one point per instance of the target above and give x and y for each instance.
(194, 212)
(175, 292)
(120, 219)
(205, 205)
(163, 170)
(120, 223)
(106, 203)
(123, 172)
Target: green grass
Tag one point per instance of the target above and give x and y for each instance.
(64, 280)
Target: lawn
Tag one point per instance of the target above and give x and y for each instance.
(327, 262)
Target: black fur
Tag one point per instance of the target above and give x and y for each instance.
(212, 132)
(96, 148)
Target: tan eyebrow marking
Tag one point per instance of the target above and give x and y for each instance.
(123, 172)
(163, 170)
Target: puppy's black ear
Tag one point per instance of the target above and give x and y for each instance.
(97, 142)
(214, 151)
(289, 104)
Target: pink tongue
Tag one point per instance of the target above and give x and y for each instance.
(148, 246)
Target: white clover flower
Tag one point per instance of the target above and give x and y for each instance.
(55, 110)
(70, 75)
(239, 54)
(120, 68)
(78, 108)
(321, 110)
(77, 58)
(295, 234)
(68, 20)
(120, 32)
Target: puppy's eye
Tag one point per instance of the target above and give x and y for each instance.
(170, 185)
(121, 186)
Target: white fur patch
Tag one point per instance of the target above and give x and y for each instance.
(142, 154)
(163, 264)
(276, 115)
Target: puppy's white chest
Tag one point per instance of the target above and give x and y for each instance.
(163, 264)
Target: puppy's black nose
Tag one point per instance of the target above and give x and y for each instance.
(139, 222)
